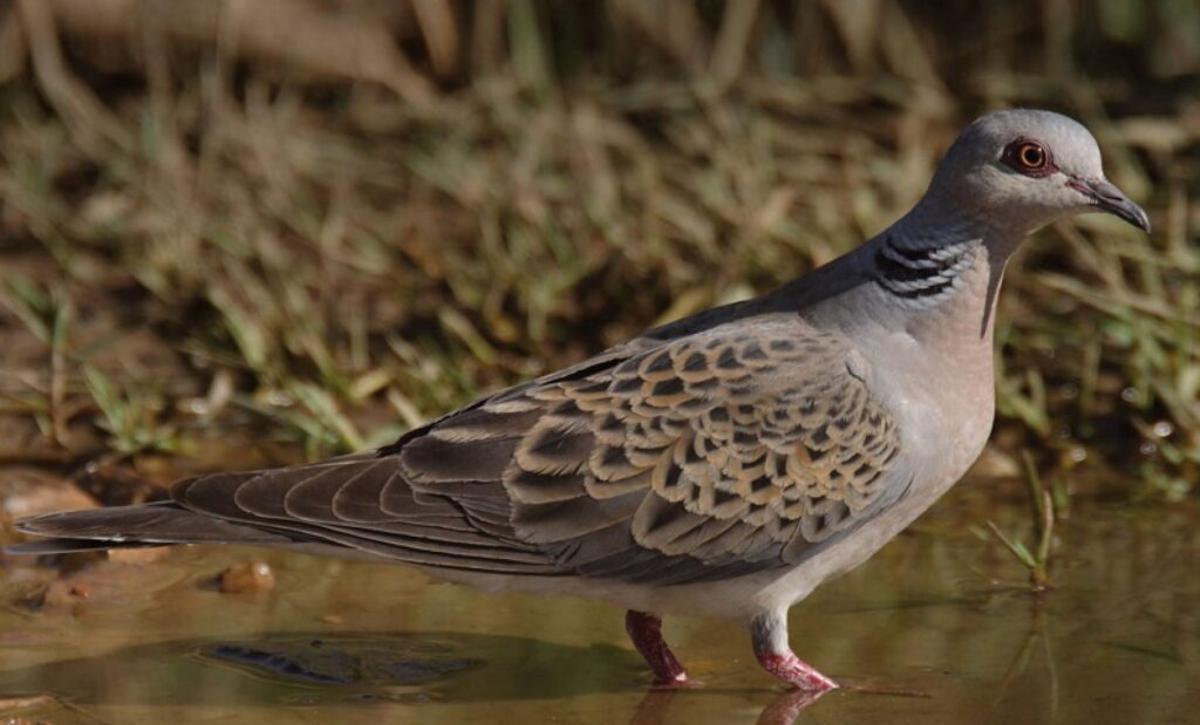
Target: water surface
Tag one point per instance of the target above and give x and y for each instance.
(940, 625)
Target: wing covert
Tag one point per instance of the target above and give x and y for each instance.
(723, 452)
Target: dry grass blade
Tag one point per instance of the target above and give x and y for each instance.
(349, 258)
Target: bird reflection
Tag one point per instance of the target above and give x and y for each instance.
(782, 710)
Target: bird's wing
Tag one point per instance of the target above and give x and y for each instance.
(366, 501)
(721, 453)
(736, 449)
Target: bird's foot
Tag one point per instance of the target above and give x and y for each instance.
(769, 631)
(795, 671)
(646, 632)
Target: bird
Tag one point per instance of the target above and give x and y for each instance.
(724, 464)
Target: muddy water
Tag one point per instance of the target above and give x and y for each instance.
(935, 629)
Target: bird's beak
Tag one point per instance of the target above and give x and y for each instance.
(1112, 200)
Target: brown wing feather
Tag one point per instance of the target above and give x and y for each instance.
(714, 455)
(303, 501)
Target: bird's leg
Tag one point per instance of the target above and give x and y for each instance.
(770, 632)
(646, 632)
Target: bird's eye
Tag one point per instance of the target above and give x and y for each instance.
(1031, 156)
(1028, 157)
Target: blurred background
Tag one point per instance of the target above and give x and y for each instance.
(288, 228)
(245, 233)
(242, 233)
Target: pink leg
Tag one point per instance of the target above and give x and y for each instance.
(776, 656)
(646, 632)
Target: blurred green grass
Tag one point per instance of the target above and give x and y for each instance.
(212, 253)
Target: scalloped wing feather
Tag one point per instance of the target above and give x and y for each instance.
(733, 445)
(718, 454)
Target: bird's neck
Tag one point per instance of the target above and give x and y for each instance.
(941, 269)
(935, 273)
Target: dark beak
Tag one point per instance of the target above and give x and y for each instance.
(1112, 200)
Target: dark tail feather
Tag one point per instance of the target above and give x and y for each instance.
(69, 546)
(128, 526)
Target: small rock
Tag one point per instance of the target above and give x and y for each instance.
(249, 578)
(139, 555)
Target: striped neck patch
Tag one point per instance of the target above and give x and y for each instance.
(923, 275)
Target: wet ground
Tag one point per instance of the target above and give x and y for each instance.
(938, 628)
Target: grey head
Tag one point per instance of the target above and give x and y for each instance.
(1026, 168)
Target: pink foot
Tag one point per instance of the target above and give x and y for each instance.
(776, 656)
(646, 632)
(795, 671)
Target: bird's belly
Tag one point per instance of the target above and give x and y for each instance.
(727, 599)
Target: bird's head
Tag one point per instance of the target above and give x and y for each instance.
(1026, 168)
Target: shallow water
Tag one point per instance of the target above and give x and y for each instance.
(936, 628)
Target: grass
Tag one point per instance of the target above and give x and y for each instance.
(326, 266)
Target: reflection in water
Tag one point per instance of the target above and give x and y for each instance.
(314, 660)
(350, 667)
(347, 670)
(1038, 638)
(654, 708)
(787, 707)
(929, 631)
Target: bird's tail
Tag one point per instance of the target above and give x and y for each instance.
(120, 527)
